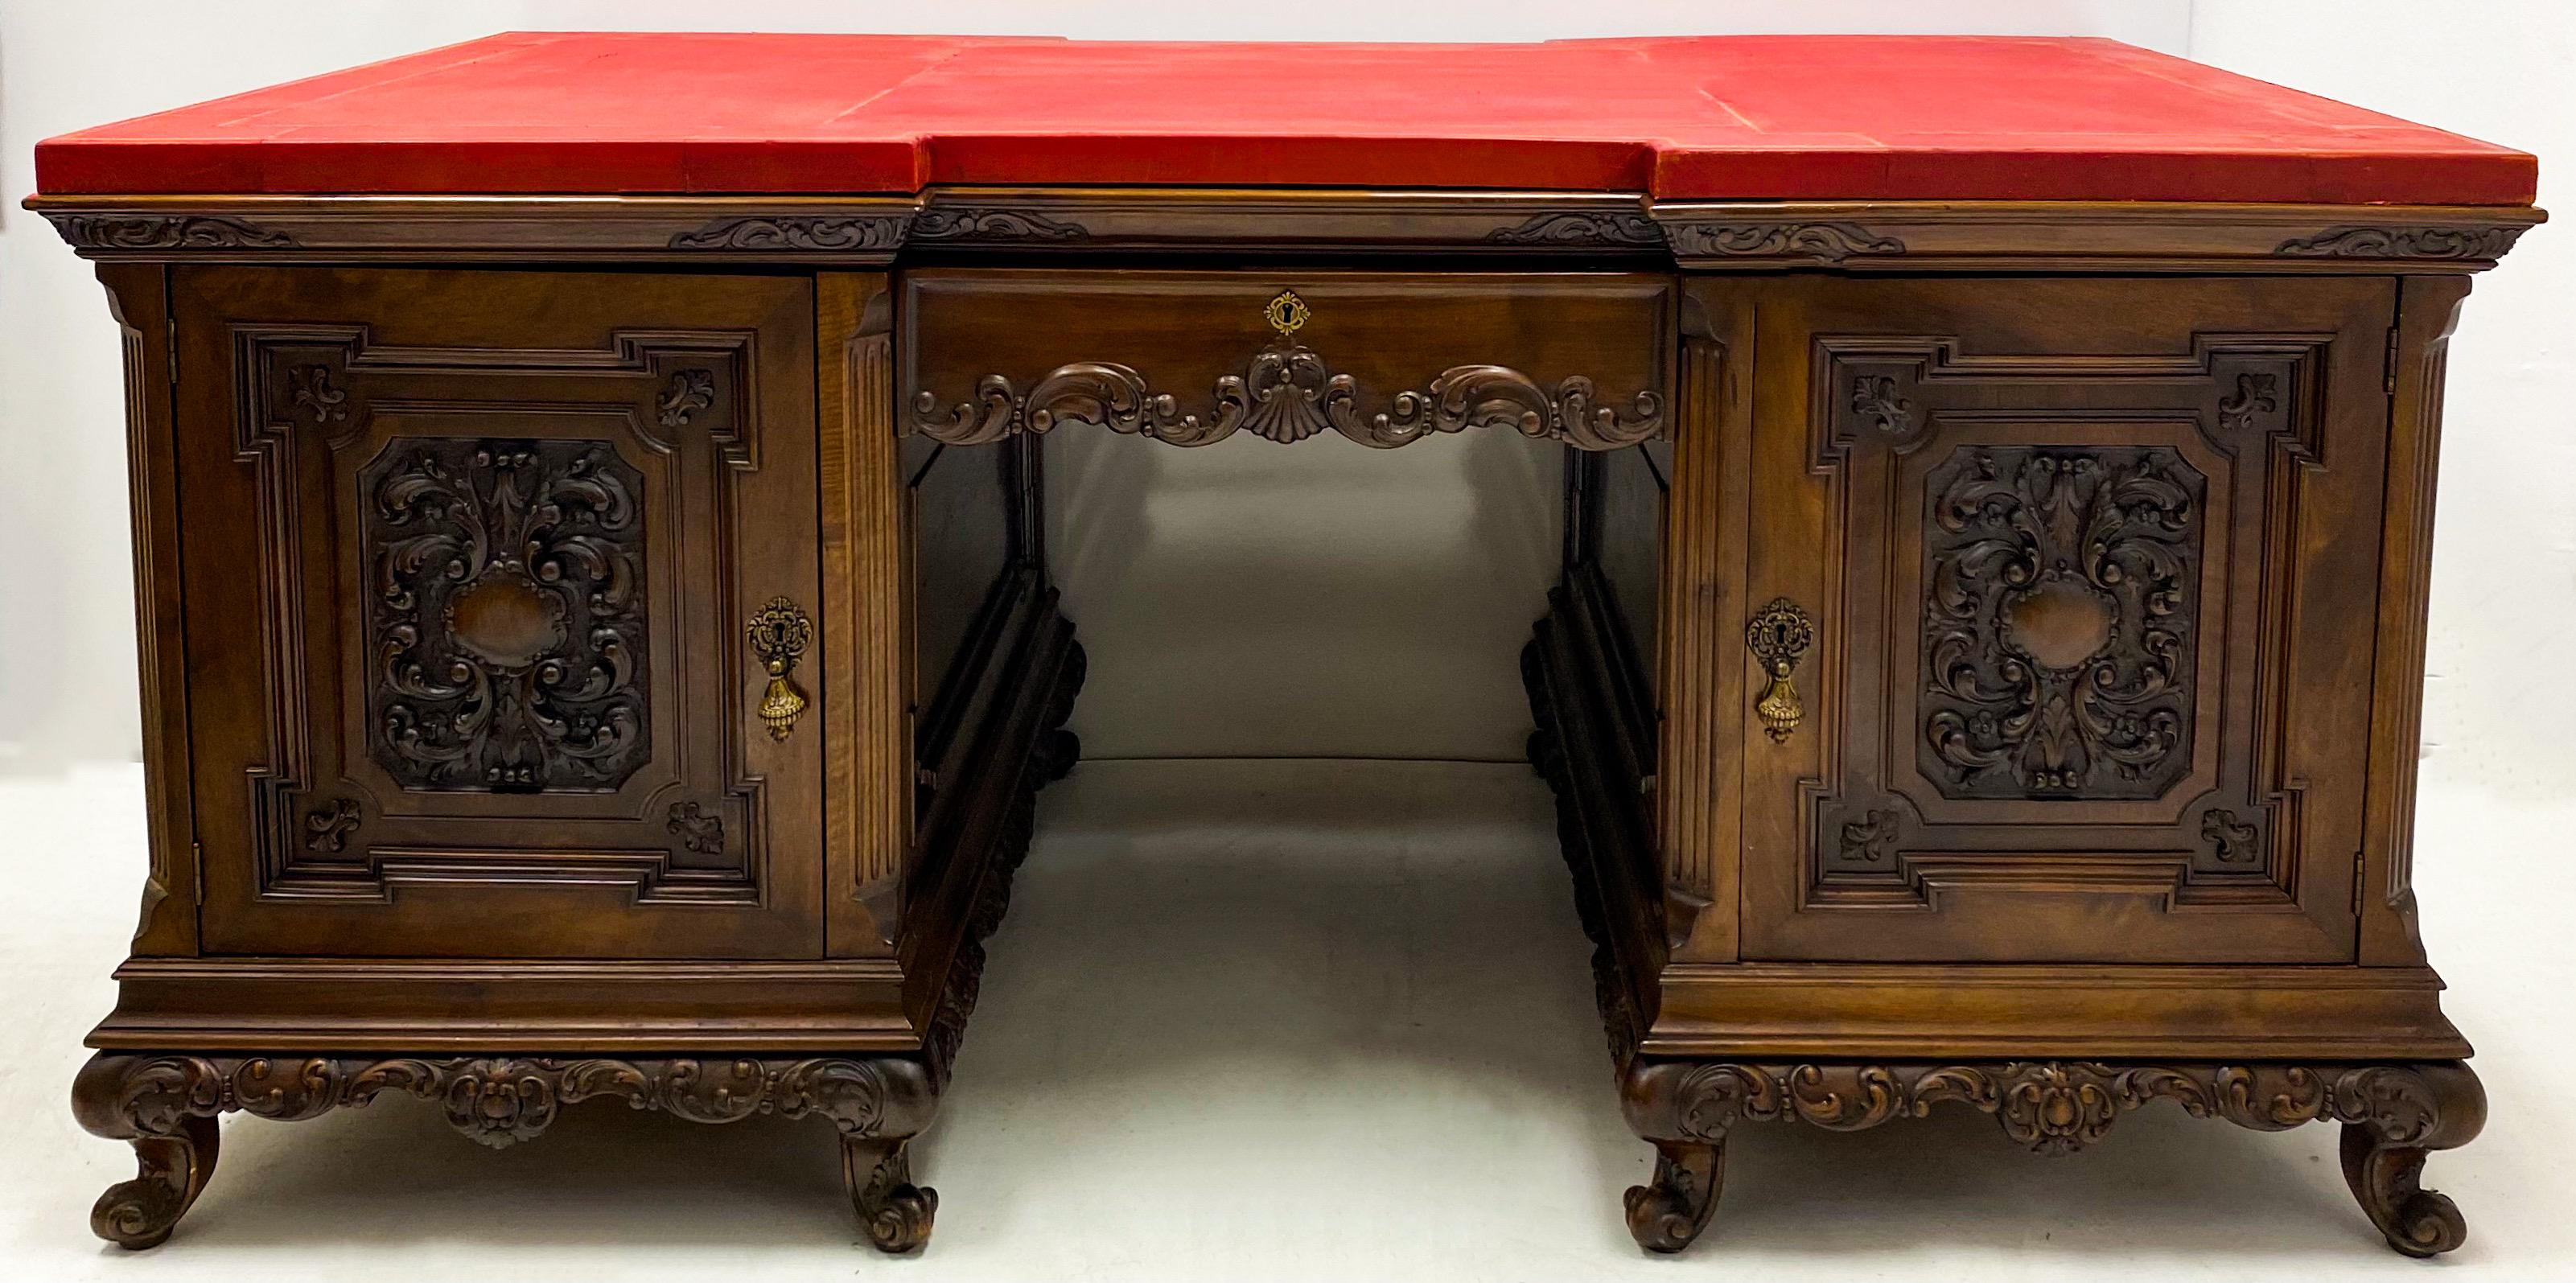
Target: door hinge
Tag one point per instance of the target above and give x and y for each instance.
(170, 345)
(2389, 362)
(2360, 878)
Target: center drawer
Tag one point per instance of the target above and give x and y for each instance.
(1381, 357)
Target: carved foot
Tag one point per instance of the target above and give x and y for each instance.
(171, 1172)
(2395, 1118)
(130, 1098)
(896, 1212)
(1666, 1215)
(2393, 1114)
(166, 1105)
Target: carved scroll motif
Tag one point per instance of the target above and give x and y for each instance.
(1286, 394)
(1828, 242)
(2061, 601)
(507, 625)
(165, 231)
(2404, 242)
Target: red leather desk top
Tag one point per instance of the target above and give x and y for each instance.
(1747, 117)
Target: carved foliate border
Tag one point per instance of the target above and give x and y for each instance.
(501, 1100)
(1287, 393)
(2393, 1116)
(2047, 1106)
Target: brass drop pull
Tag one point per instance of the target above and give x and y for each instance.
(779, 634)
(1779, 636)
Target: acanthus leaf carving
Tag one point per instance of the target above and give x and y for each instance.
(2404, 242)
(985, 226)
(1875, 399)
(165, 231)
(2049, 1106)
(2256, 395)
(327, 828)
(1287, 393)
(789, 232)
(698, 829)
(687, 392)
(1872, 838)
(1828, 242)
(2230, 840)
(508, 615)
(312, 392)
(1583, 228)
(2061, 588)
(166, 1105)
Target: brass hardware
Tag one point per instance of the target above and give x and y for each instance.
(779, 634)
(1287, 312)
(1779, 636)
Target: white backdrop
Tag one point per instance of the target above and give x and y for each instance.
(1349, 602)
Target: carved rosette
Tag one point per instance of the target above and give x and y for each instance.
(2394, 1116)
(2061, 603)
(507, 620)
(1287, 393)
(166, 1106)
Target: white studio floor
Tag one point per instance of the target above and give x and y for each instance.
(1292, 1020)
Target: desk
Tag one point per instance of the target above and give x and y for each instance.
(598, 639)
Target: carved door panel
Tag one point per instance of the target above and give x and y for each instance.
(2063, 594)
(479, 571)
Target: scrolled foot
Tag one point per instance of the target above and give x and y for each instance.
(2388, 1182)
(1667, 1214)
(2393, 1118)
(896, 1212)
(171, 1172)
(165, 1108)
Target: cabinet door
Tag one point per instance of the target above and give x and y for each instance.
(2075, 587)
(473, 560)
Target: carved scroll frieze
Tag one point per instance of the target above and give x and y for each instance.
(2404, 242)
(506, 615)
(2060, 616)
(992, 226)
(796, 232)
(2393, 1116)
(2052, 1107)
(877, 233)
(1583, 228)
(1287, 393)
(165, 231)
(1827, 242)
(166, 1104)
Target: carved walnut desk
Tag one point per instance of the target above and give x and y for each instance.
(597, 637)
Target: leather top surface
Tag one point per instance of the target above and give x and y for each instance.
(1687, 118)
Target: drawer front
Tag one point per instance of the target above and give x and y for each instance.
(471, 560)
(1193, 357)
(2077, 591)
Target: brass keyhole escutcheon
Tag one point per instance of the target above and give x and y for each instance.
(1779, 636)
(1287, 313)
(779, 634)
